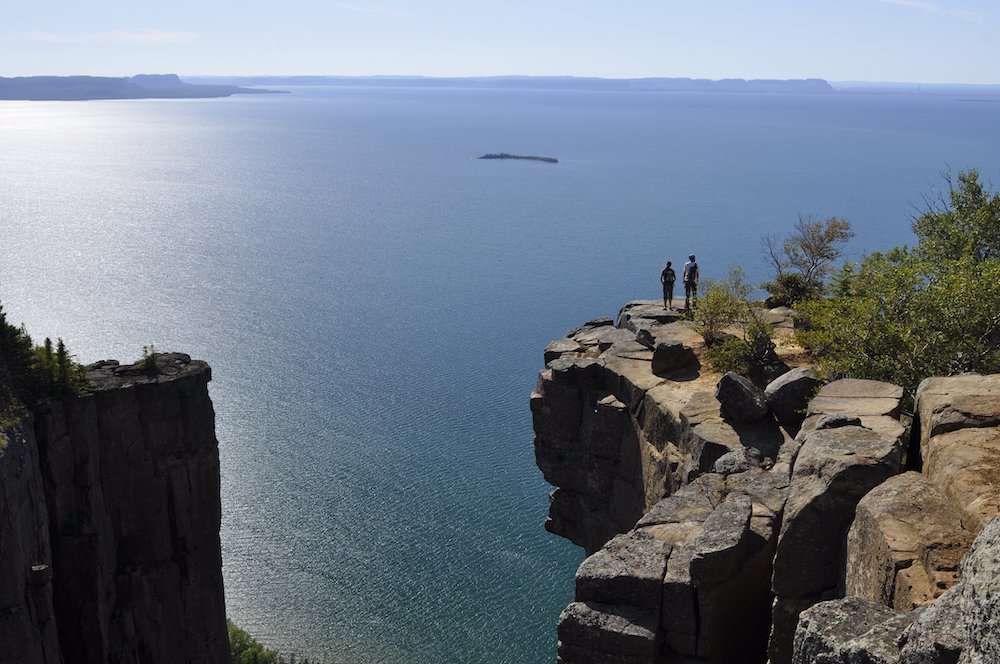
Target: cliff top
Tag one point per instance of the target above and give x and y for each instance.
(157, 368)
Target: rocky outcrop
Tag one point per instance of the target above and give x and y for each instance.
(789, 536)
(606, 426)
(692, 579)
(129, 472)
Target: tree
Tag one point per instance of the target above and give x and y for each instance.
(908, 314)
(804, 260)
(965, 225)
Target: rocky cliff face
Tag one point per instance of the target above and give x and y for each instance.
(716, 520)
(109, 525)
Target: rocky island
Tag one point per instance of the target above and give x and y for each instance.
(794, 524)
(504, 155)
(142, 86)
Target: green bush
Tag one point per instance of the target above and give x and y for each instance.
(729, 355)
(244, 649)
(908, 314)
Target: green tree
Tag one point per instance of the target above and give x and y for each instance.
(805, 258)
(966, 224)
(908, 314)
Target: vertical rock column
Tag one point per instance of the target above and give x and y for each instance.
(834, 469)
(132, 475)
(27, 624)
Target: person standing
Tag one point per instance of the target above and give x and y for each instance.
(667, 278)
(690, 282)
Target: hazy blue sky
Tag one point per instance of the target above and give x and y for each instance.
(872, 40)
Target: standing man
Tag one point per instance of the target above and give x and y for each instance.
(667, 278)
(690, 282)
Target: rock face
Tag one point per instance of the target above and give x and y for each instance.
(905, 546)
(130, 472)
(834, 469)
(606, 425)
(793, 537)
(27, 623)
(958, 420)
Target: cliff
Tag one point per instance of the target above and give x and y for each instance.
(729, 523)
(109, 523)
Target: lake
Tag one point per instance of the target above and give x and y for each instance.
(374, 302)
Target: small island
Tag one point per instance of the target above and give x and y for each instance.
(504, 155)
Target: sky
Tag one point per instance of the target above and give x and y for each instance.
(926, 41)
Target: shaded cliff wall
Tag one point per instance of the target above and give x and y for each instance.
(27, 624)
(130, 477)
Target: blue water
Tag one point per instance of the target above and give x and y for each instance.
(374, 303)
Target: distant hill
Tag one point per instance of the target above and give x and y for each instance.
(540, 82)
(143, 86)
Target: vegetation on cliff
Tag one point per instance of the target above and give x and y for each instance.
(930, 310)
(29, 373)
(244, 649)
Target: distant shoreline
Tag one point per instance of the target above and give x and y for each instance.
(536, 83)
(91, 88)
(584, 83)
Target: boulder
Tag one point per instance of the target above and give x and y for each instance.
(936, 636)
(828, 629)
(966, 464)
(980, 597)
(905, 545)
(958, 420)
(739, 461)
(628, 570)
(789, 394)
(672, 355)
(741, 400)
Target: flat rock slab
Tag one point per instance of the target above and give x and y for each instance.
(853, 396)
(638, 314)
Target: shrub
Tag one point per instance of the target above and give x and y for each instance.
(729, 355)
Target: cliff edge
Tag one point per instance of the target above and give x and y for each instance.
(792, 522)
(109, 522)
